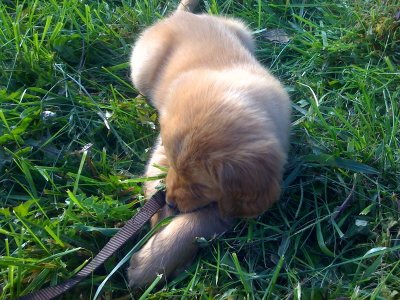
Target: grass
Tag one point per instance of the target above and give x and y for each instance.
(72, 134)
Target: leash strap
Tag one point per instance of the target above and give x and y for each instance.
(155, 203)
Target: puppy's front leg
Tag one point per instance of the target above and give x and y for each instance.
(174, 247)
(158, 158)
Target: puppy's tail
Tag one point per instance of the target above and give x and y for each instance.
(188, 5)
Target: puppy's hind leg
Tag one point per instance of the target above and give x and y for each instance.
(148, 57)
(188, 5)
(174, 247)
(241, 31)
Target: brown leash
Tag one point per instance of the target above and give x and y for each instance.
(123, 235)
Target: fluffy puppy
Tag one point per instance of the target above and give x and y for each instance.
(224, 133)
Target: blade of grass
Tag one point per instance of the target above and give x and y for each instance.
(271, 285)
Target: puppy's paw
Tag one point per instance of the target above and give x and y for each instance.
(142, 270)
(163, 254)
(170, 250)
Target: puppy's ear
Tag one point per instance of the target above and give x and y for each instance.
(250, 179)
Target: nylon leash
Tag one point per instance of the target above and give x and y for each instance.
(131, 228)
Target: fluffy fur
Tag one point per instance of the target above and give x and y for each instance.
(224, 132)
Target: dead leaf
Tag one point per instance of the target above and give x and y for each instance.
(397, 15)
(276, 35)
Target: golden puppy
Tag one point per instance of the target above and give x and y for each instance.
(224, 132)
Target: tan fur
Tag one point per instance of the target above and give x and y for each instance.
(224, 132)
(171, 249)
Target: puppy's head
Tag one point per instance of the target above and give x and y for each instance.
(244, 181)
(221, 153)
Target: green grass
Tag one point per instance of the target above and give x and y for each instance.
(72, 133)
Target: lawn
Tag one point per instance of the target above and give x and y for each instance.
(74, 140)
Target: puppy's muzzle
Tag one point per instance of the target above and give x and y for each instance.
(171, 203)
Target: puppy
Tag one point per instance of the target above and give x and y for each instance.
(224, 133)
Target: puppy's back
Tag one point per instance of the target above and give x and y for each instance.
(185, 41)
